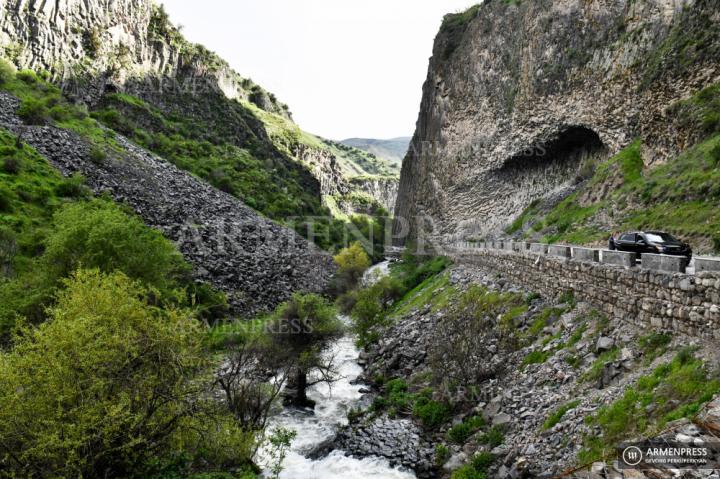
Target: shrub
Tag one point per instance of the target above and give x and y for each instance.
(369, 310)
(11, 165)
(102, 386)
(676, 389)
(714, 155)
(7, 71)
(352, 263)
(27, 76)
(209, 302)
(98, 234)
(34, 112)
(442, 454)
(597, 367)
(346, 301)
(482, 460)
(460, 433)
(654, 344)
(72, 187)
(6, 199)
(493, 438)
(414, 270)
(431, 413)
(468, 472)
(97, 155)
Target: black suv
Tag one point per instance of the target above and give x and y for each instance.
(656, 242)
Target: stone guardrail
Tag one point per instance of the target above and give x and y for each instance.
(657, 295)
(655, 262)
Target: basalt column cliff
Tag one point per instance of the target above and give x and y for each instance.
(523, 100)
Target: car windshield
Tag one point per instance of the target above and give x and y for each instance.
(659, 237)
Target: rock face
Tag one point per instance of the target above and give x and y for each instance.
(383, 189)
(522, 97)
(94, 45)
(255, 261)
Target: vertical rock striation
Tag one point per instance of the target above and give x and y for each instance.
(520, 97)
(97, 45)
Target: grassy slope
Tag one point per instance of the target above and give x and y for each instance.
(28, 198)
(681, 196)
(263, 181)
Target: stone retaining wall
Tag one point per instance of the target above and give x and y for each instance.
(688, 304)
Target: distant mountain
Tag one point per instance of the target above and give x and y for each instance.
(393, 149)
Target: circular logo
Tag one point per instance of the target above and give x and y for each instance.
(632, 456)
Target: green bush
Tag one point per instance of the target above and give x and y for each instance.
(27, 76)
(596, 369)
(59, 111)
(468, 472)
(107, 384)
(537, 357)
(482, 460)
(414, 270)
(442, 454)
(72, 187)
(352, 263)
(97, 155)
(654, 344)
(209, 303)
(397, 399)
(431, 413)
(11, 165)
(493, 438)
(371, 305)
(7, 71)
(98, 234)
(460, 433)
(714, 155)
(6, 199)
(33, 111)
(346, 301)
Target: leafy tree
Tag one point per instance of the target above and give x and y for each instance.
(102, 387)
(301, 327)
(352, 263)
(369, 313)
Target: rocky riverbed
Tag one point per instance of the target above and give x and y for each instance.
(587, 362)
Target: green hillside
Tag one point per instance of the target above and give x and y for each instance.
(392, 150)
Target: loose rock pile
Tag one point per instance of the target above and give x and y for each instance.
(256, 262)
(399, 440)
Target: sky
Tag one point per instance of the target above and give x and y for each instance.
(346, 68)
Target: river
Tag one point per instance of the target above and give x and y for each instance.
(333, 401)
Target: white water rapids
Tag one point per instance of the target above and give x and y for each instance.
(333, 401)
